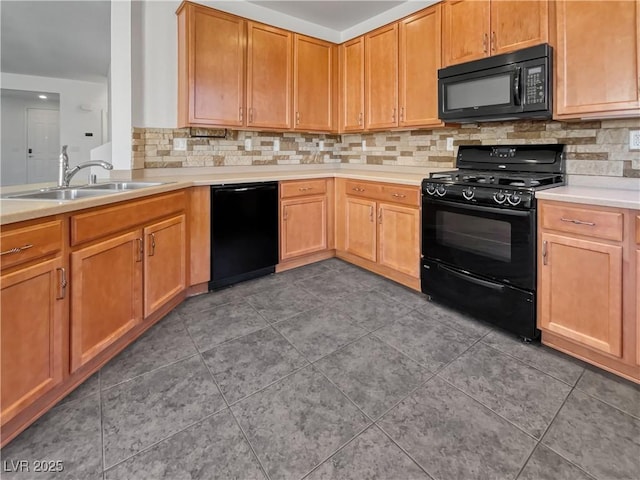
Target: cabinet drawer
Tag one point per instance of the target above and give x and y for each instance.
(106, 221)
(583, 221)
(300, 188)
(401, 194)
(27, 243)
(364, 189)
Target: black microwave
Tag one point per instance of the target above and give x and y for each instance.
(503, 87)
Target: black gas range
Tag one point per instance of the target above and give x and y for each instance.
(479, 231)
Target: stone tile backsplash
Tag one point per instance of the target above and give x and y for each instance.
(593, 147)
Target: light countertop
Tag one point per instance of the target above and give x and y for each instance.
(12, 210)
(600, 191)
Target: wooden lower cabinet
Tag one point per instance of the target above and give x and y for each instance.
(399, 236)
(31, 347)
(581, 298)
(378, 228)
(106, 294)
(165, 262)
(588, 284)
(360, 228)
(304, 226)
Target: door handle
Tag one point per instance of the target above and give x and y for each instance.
(477, 281)
(380, 216)
(484, 42)
(493, 41)
(17, 249)
(371, 213)
(63, 283)
(152, 251)
(140, 249)
(545, 256)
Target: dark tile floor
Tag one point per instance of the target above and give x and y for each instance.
(331, 372)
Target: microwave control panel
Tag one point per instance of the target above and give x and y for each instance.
(534, 85)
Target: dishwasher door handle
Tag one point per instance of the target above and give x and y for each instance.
(243, 189)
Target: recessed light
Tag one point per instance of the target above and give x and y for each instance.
(43, 97)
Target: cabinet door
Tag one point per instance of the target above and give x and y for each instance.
(360, 228)
(313, 73)
(381, 67)
(31, 344)
(637, 294)
(518, 24)
(106, 294)
(419, 64)
(352, 58)
(465, 30)
(269, 64)
(581, 292)
(211, 79)
(596, 58)
(304, 226)
(165, 262)
(399, 238)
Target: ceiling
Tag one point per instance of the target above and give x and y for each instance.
(333, 14)
(62, 39)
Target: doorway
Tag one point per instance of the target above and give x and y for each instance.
(43, 144)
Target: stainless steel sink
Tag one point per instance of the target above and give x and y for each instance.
(55, 194)
(121, 186)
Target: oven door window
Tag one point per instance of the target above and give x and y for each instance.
(487, 237)
(496, 243)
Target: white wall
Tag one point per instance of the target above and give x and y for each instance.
(13, 164)
(75, 119)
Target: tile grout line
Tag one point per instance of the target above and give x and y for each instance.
(224, 399)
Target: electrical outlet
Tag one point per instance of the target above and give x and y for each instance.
(634, 139)
(321, 145)
(247, 144)
(180, 144)
(276, 145)
(364, 145)
(450, 144)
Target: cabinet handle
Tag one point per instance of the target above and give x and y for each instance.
(304, 189)
(285, 216)
(371, 214)
(153, 244)
(380, 216)
(484, 42)
(544, 253)
(577, 222)
(17, 249)
(360, 119)
(241, 114)
(493, 41)
(357, 189)
(393, 116)
(297, 118)
(399, 195)
(140, 249)
(402, 114)
(63, 283)
(251, 115)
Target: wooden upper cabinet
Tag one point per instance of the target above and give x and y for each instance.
(596, 59)
(465, 30)
(419, 64)
(473, 29)
(269, 75)
(313, 74)
(381, 78)
(518, 24)
(352, 84)
(211, 65)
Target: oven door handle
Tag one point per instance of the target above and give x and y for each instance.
(478, 208)
(483, 283)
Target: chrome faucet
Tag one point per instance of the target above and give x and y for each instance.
(65, 174)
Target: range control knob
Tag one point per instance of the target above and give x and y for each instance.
(467, 193)
(431, 188)
(514, 199)
(499, 197)
(441, 190)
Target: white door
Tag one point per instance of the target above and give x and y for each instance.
(43, 145)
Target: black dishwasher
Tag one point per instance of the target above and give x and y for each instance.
(244, 232)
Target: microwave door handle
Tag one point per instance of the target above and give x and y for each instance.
(516, 86)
